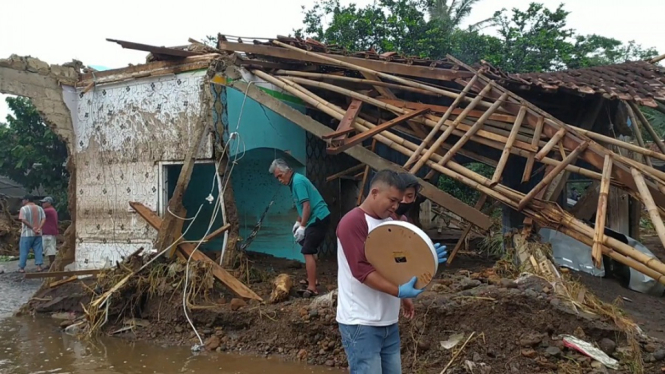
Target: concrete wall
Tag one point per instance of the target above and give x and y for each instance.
(122, 131)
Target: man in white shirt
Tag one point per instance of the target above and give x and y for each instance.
(368, 304)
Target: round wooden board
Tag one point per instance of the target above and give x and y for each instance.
(399, 251)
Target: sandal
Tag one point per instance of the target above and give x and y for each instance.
(21, 270)
(304, 282)
(306, 294)
(39, 269)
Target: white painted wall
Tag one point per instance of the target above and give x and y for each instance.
(122, 132)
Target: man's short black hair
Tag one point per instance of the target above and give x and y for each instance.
(28, 198)
(390, 178)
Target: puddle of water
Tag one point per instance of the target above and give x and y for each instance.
(37, 346)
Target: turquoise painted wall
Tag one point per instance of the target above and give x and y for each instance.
(266, 136)
(195, 195)
(262, 128)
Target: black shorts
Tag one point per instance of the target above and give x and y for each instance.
(314, 236)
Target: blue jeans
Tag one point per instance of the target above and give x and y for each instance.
(24, 245)
(372, 350)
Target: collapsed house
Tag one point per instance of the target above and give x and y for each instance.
(168, 136)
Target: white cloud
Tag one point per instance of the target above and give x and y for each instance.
(57, 31)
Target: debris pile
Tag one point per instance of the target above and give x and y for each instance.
(467, 321)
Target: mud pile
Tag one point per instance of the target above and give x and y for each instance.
(499, 325)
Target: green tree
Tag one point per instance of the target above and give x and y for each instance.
(32, 154)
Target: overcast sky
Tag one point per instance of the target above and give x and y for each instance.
(57, 31)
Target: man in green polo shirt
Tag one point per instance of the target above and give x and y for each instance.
(313, 217)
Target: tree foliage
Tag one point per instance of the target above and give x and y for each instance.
(32, 154)
(531, 40)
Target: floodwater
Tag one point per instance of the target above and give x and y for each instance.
(36, 345)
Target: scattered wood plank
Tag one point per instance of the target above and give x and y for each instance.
(344, 126)
(60, 274)
(63, 281)
(188, 248)
(217, 232)
(650, 205)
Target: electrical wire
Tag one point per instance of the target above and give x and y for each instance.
(215, 211)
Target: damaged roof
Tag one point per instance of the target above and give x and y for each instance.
(639, 81)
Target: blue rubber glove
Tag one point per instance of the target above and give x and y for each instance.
(441, 252)
(407, 290)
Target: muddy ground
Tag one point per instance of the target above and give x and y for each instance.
(516, 326)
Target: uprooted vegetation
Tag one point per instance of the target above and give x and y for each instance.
(502, 322)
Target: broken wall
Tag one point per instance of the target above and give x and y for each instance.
(123, 131)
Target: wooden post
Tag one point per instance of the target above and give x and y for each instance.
(531, 158)
(167, 230)
(647, 125)
(506, 151)
(349, 117)
(648, 201)
(549, 177)
(442, 120)
(599, 235)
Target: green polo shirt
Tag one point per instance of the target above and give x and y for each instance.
(303, 190)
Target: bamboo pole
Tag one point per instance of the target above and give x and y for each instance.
(342, 78)
(601, 213)
(647, 125)
(531, 159)
(452, 127)
(443, 119)
(506, 151)
(393, 78)
(543, 213)
(550, 144)
(550, 176)
(460, 143)
(637, 132)
(649, 203)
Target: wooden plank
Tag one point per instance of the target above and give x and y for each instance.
(60, 274)
(377, 130)
(506, 151)
(345, 172)
(173, 52)
(338, 134)
(189, 63)
(467, 229)
(550, 176)
(507, 118)
(188, 249)
(217, 232)
(550, 144)
(364, 155)
(63, 281)
(381, 66)
(348, 119)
